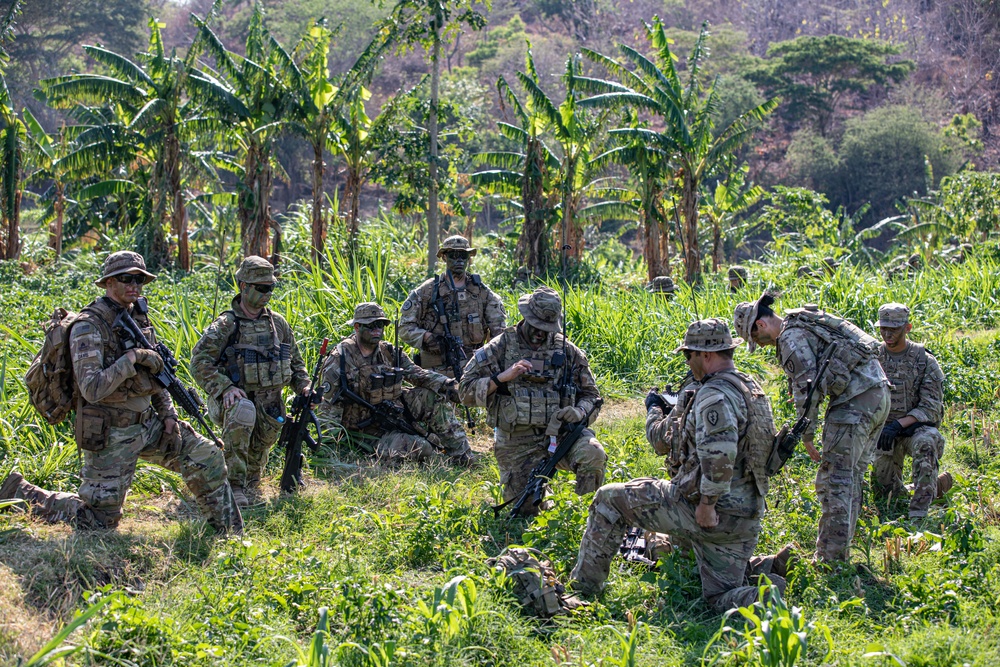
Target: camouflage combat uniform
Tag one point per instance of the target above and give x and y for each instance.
(120, 419)
(723, 440)
(475, 313)
(857, 408)
(521, 413)
(377, 379)
(917, 391)
(260, 357)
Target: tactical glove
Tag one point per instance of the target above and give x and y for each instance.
(887, 440)
(149, 359)
(451, 390)
(570, 414)
(653, 398)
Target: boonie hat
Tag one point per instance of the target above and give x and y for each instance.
(123, 261)
(738, 272)
(743, 319)
(368, 312)
(711, 335)
(256, 270)
(893, 315)
(661, 284)
(457, 242)
(542, 309)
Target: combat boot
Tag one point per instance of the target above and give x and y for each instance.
(944, 483)
(240, 497)
(10, 485)
(780, 564)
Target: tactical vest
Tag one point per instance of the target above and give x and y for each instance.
(463, 310)
(376, 381)
(254, 358)
(755, 440)
(854, 346)
(906, 374)
(101, 314)
(536, 395)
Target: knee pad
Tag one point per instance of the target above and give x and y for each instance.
(242, 413)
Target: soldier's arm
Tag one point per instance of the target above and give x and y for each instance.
(410, 316)
(495, 317)
(330, 413)
(474, 388)
(716, 439)
(87, 352)
(586, 386)
(657, 430)
(798, 359)
(930, 407)
(204, 369)
(300, 374)
(421, 377)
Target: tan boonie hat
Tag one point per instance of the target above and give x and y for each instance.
(893, 315)
(256, 270)
(738, 272)
(710, 335)
(123, 261)
(457, 243)
(542, 309)
(661, 284)
(743, 319)
(368, 312)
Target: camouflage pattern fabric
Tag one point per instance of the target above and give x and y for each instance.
(266, 358)
(424, 401)
(107, 476)
(534, 582)
(475, 315)
(722, 553)
(917, 391)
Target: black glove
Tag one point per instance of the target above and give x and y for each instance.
(654, 398)
(890, 432)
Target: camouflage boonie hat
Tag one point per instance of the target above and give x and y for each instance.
(710, 335)
(256, 270)
(457, 243)
(893, 315)
(368, 312)
(805, 272)
(661, 284)
(738, 273)
(123, 261)
(743, 319)
(542, 309)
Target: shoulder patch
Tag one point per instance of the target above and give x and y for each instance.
(407, 304)
(712, 416)
(481, 356)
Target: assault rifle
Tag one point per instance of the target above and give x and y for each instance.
(451, 346)
(788, 439)
(385, 415)
(185, 398)
(633, 548)
(535, 488)
(295, 430)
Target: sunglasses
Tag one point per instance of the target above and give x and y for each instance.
(263, 289)
(687, 354)
(373, 325)
(129, 278)
(457, 254)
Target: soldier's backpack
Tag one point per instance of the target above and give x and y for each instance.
(51, 388)
(854, 346)
(534, 582)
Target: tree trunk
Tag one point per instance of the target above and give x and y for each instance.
(13, 224)
(318, 219)
(181, 224)
(716, 243)
(432, 127)
(352, 192)
(689, 207)
(178, 217)
(532, 246)
(252, 203)
(651, 241)
(56, 228)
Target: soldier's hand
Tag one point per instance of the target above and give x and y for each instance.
(451, 390)
(517, 369)
(430, 343)
(706, 516)
(231, 396)
(812, 451)
(570, 414)
(151, 360)
(887, 440)
(653, 399)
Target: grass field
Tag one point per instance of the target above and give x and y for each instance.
(374, 566)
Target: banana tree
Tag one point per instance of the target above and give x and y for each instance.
(688, 136)
(731, 196)
(13, 134)
(46, 152)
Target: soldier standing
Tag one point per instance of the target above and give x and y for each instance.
(915, 411)
(123, 415)
(715, 499)
(525, 377)
(456, 304)
(859, 402)
(371, 368)
(243, 361)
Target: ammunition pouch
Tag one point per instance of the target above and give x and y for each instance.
(93, 425)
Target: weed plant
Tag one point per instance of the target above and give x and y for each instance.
(375, 566)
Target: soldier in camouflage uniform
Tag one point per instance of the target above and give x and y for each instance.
(243, 361)
(525, 377)
(662, 285)
(916, 409)
(368, 366)
(474, 312)
(737, 278)
(715, 498)
(123, 415)
(859, 402)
